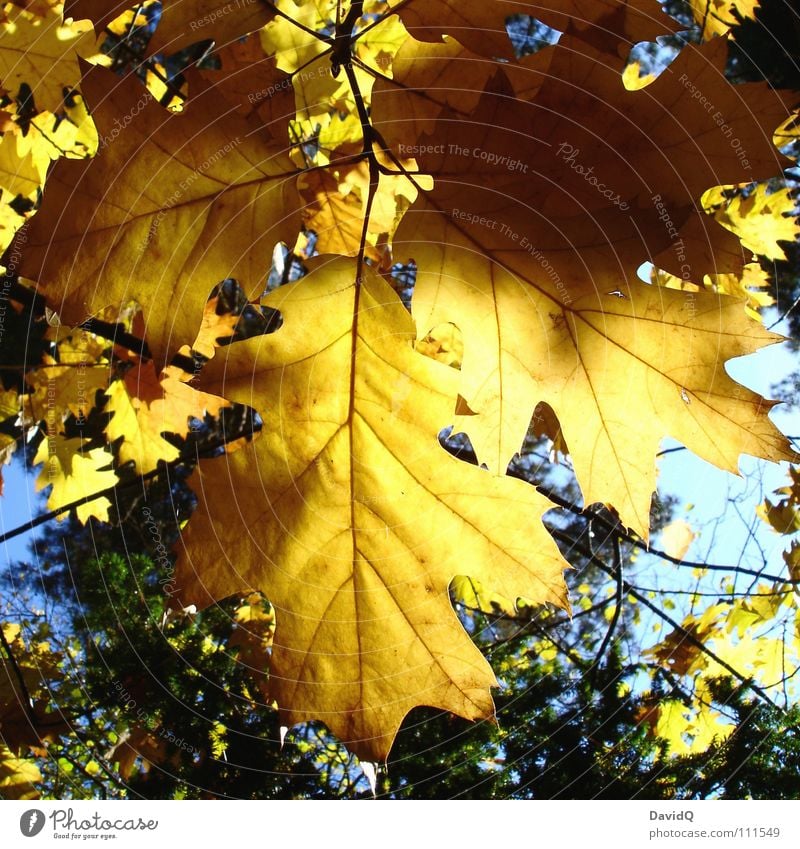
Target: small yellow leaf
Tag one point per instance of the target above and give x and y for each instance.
(676, 537)
(74, 473)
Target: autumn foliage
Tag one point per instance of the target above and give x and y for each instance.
(523, 194)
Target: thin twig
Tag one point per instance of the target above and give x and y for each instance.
(618, 597)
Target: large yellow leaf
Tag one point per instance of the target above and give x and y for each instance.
(612, 25)
(533, 255)
(171, 205)
(349, 516)
(611, 189)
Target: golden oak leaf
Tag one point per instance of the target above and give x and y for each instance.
(77, 345)
(326, 105)
(349, 516)
(43, 52)
(326, 111)
(615, 189)
(741, 619)
(9, 408)
(190, 189)
(690, 730)
(753, 284)
(763, 657)
(784, 516)
(122, 24)
(763, 606)
(185, 22)
(144, 407)
(611, 25)
(131, 420)
(792, 559)
(167, 92)
(533, 255)
(377, 45)
(667, 345)
(38, 7)
(682, 655)
(426, 78)
(716, 17)
(392, 196)
(760, 220)
(474, 596)
(789, 130)
(74, 473)
(100, 12)
(67, 383)
(7, 124)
